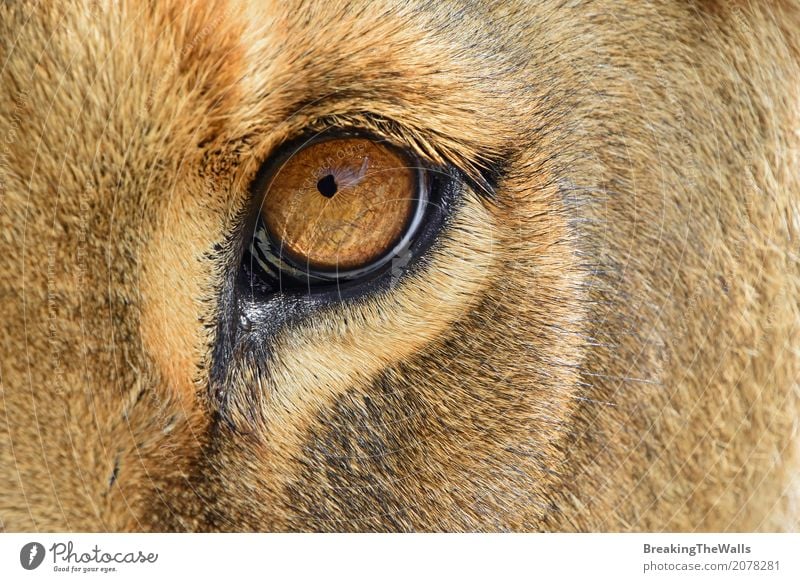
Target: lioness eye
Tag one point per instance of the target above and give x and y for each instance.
(335, 209)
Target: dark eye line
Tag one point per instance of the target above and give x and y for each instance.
(448, 178)
(440, 189)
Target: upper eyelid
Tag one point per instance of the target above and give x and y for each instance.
(481, 177)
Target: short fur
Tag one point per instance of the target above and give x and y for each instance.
(609, 341)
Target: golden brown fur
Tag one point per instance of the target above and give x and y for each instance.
(609, 343)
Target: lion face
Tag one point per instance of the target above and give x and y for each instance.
(388, 266)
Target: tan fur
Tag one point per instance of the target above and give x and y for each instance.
(610, 342)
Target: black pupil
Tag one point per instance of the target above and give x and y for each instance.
(327, 186)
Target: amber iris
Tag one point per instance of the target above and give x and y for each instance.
(340, 204)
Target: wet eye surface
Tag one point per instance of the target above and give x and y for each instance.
(340, 211)
(338, 208)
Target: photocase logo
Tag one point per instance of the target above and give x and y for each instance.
(31, 555)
